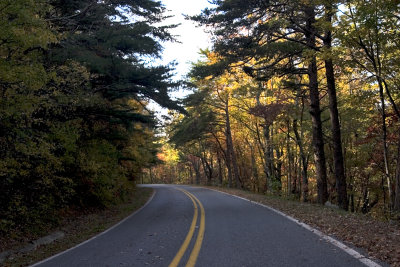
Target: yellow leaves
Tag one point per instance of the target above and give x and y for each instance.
(169, 155)
(212, 57)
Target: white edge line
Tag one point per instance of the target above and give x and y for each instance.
(368, 262)
(96, 236)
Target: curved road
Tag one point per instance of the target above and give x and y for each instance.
(187, 226)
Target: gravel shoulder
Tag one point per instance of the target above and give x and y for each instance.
(380, 239)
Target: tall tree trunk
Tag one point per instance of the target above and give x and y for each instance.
(267, 156)
(151, 175)
(315, 110)
(262, 152)
(219, 167)
(207, 165)
(289, 160)
(396, 198)
(303, 159)
(229, 168)
(384, 140)
(278, 168)
(222, 152)
(254, 170)
(208, 169)
(396, 204)
(197, 171)
(341, 185)
(230, 151)
(276, 162)
(296, 174)
(303, 162)
(196, 167)
(191, 175)
(351, 197)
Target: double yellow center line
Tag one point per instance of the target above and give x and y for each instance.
(197, 245)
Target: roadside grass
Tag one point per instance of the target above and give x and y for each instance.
(380, 239)
(77, 228)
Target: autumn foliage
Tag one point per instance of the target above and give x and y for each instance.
(299, 99)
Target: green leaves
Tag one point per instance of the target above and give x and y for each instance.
(74, 85)
(23, 34)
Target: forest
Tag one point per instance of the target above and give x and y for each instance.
(75, 80)
(298, 99)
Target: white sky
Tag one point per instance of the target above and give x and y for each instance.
(192, 38)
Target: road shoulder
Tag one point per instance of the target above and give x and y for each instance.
(78, 229)
(377, 238)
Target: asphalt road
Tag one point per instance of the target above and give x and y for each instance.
(187, 226)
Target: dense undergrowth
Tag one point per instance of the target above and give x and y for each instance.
(74, 84)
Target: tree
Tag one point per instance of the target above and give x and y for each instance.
(276, 43)
(368, 32)
(74, 81)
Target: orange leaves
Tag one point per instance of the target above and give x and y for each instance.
(268, 112)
